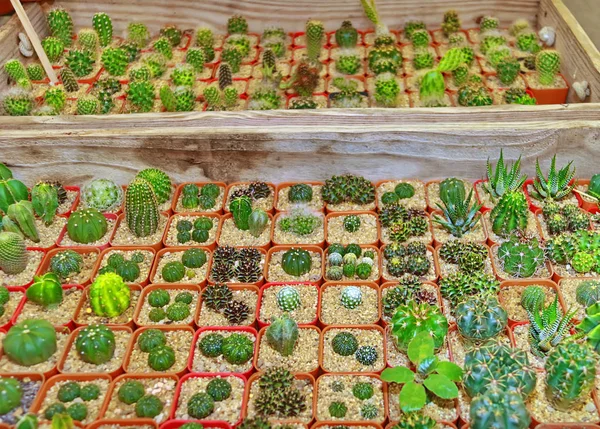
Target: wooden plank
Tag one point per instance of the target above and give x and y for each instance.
(581, 59)
(9, 40)
(378, 144)
(291, 14)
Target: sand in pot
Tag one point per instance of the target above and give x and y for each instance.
(74, 364)
(304, 358)
(57, 315)
(172, 239)
(162, 388)
(333, 312)
(371, 338)
(305, 313)
(338, 388)
(179, 340)
(144, 315)
(218, 203)
(203, 363)
(209, 317)
(34, 259)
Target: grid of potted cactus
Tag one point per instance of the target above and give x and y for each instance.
(333, 304)
(180, 70)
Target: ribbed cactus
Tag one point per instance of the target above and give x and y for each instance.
(508, 69)
(13, 253)
(103, 26)
(167, 98)
(241, 208)
(480, 317)
(95, 344)
(80, 61)
(346, 36)
(66, 263)
(88, 105)
(18, 102)
(160, 181)
(88, 40)
(570, 375)
(21, 213)
(499, 409)
(420, 38)
(54, 48)
(411, 319)
(15, 70)
(44, 199)
(86, 226)
(233, 57)
(141, 94)
(521, 258)
(315, 32)
(547, 65)
(237, 24)
(172, 33)
(68, 79)
(46, 290)
(61, 25)
(141, 208)
(510, 214)
(163, 46)
(451, 23)
(115, 61)
(11, 191)
(282, 335)
(109, 295)
(30, 342)
(35, 71)
(103, 195)
(138, 33)
(196, 58)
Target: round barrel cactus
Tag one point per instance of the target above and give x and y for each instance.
(109, 295)
(13, 253)
(300, 193)
(151, 339)
(160, 181)
(288, 298)
(46, 290)
(296, 262)
(30, 342)
(130, 392)
(95, 344)
(148, 406)
(66, 263)
(161, 358)
(10, 395)
(237, 348)
(193, 258)
(412, 318)
(102, 194)
(129, 271)
(219, 389)
(480, 317)
(257, 222)
(173, 271)
(200, 406)
(86, 226)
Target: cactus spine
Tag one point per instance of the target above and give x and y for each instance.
(141, 208)
(510, 214)
(53, 47)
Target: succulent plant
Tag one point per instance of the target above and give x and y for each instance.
(460, 215)
(315, 32)
(35, 71)
(217, 296)
(20, 219)
(366, 355)
(296, 262)
(103, 195)
(69, 391)
(547, 65)
(548, 326)
(86, 226)
(17, 102)
(103, 26)
(55, 98)
(148, 406)
(510, 215)
(30, 342)
(56, 409)
(44, 199)
(348, 188)
(505, 178)
(451, 23)
(211, 345)
(480, 317)
(521, 258)
(109, 295)
(141, 208)
(588, 293)
(80, 61)
(337, 410)
(68, 79)
(88, 105)
(46, 290)
(95, 344)
(288, 298)
(13, 253)
(236, 312)
(131, 392)
(178, 311)
(351, 297)
(114, 61)
(200, 405)
(457, 286)
(344, 343)
(141, 95)
(432, 87)
(151, 339)
(11, 393)
(411, 319)
(237, 349)
(77, 411)
(61, 25)
(556, 186)
(161, 358)
(282, 335)
(499, 408)
(53, 47)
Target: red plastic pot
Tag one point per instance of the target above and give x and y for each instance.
(175, 424)
(105, 252)
(274, 249)
(109, 233)
(583, 202)
(262, 323)
(68, 324)
(548, 95)
(207, 375)
(82, 250)
(247, 329)
(14, 289)
(156, 246)
(182, 287)
(122, 423)
(84, 305)
(218, 210)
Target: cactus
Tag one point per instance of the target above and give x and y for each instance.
(103, 26)
(337, 410)
(68, 79)
(88, 105)
(54, 48)
(164, 47)
(423, 59)
(157, 63)
(432, 87)
(30, 342)
(148, 406)
(211, 345)
(109, 295)
(89, 392)
(114, 61)
(44, 199)
(46, 290)
(173, 271)
(351, 297)
(480, 318)
(80, 61)
(366, 355)
(61, 25)
(510, 214)
(219, 389)
(130, 392)
(315, 32)
(237, 349)
(346, 36)
(88, 40)
(547, 65)
(460, 75)
(55, 98)
(288, 298)
(13, 253)
(237, 24)
(10, 394)
(141, 208)
(508, 69)
(161, 358)
(193, 258)
(95, 344)
(505, 178)
(241, 208)
(451, 23)
(282, 335)
(86, 226)
(196, 58)
(570, 375)
(15, 70)
(257, 222)
(69, 392)
(411, 319)
(103, 195)
(547, 326)
(304, 80)
(200, 406)
(22, 216)
(460, 215)
(296, 262)
(140, 95)
(17, 102)
(588, 293)
(77, 412)
(183, 75)
(151, 339)
(556, 186)
(521, 258)
(499, 409)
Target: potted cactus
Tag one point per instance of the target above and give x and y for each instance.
(547, 84)
(18, 394)
(299, 226)
(413, 259)
(72, 266)
(199, 197)
(349, 303)
(167, 304)
(133, 265)
(288, 263)
(183, 265)
(245, 225)
(292, 194)
(352, 348)
(223, 350)
(224, 305)
(300, 301)
(361, 263)
(556, 187)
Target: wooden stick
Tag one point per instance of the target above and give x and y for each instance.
(35, 41)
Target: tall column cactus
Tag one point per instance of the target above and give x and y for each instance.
(141, 208)
(547, 64)
(13, 253)
(103, 26)
(315, 32)
(61, 25)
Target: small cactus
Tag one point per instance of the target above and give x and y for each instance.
(103, 26)
(18, 102)
(141, 94)
(141, 208)
(196, 58)
(282, 335)
(138, 33)
(547, 64)
(88, 105)
(88, 40)
(164, 47)
(86, 226)
(288, 298)
(351, 297)
(35, 71)
(61, 25)
(68, 79)
(13, 253)
(46, 290)
(80, 61)
(183, 75)
(95, 344)
(237, 24)
(115, 61)
(315, 32)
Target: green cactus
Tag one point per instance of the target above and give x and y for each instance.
(44, 199)
(61, 25)
(68, 80)
(547, 65)
(114, 61)
(499, 408)
(237, 24)
(22, 216)
(148, 406)
(157, 63)
(95, 344)
(237, 349)
(141, 208)
(205, 39)
(69, 391)
(163, 46)
(55, 98)
(315, 32)
(570, 375)
(173, 271)
(337, 410)
(88, 40)
(510, 214)
(288, 298)
(80, 61)
(588, 293)
(505, 178)
(411, 319)
(282, 335)
(54, 48)
(172, 33)
(140, 95)
(460, 214)
(178, 311)
(11, 393)
(103, 26)
(109, 295)
(30, 342)
(432, 87)
(78, 411)
(521, 259)
(18, 102)
(181, 99)
(346, 36)
(257, 222)
(556, 186)
(508, 69)
(157, 314)
(351, 297)
(196, 58)
(219, 389)
(151, 339)
(86, 226)
(451, 23)
(28, 421)
(103, 195)
(46, 290)
(88, 105)
(131, 392)
(296, 262)
(480, 318)
(35, 71)
(200, 406)
(366, 355)
(241, 208)
(161, 358)
(13, 253)
(457, 286)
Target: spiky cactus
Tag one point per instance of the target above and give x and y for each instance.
(88, 40)
(115, 61)
(184, 99)
(44, 199)
(521, 258)
(157, 63)
(13, 253)
(183, 75)
(55, 97)
(35, 71)
(95, 344)
(315, 32)
(346, 36)
(548, 326)
(88, 105)
(508, 69)
(433, 87)
(109, 295)
(46, 290)
(15, 70)
(17, 102)
(140, 95)
(103, 26)
(423, 59)
(141, 208)
(480, 318)
(232, 56)
(510, 214)
(163, 46)
(30, 342)
(460, 214)
(53, 47)
(499, 408)
(196, 58)
(547, 65)
(411, 319)
(451, 23)
(61, 25)
(237, 24)
(570, 375)
(420, 39)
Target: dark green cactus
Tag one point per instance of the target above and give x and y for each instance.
(13, 253)
(173, 271)
(499, 408)
(219, 389)
(95, 344)
(211, 345)
(61, 25)
(296, 262)
(54, 48)
(510, 214)
(480, 317)
(200, 406)
(130, 392)
(148, 406)
(151, 339)
(44, 199)
(282, 335)
(178, 311)
(141, 208)
(160, 181)
(86, 226)
(30, 342)
(11, 393)
(194, 258)
(115, 61)
(103, 26)
(161, 358)
(21, 214)
(241, 208)
(237, 349)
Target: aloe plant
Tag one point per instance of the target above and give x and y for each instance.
(505, 178)
(557, 185)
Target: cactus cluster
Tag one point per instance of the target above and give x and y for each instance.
(401, 223)
(565, 218)
(460, 285)
(278, 396)
(300, 222)
(349, 262)
(231, 265)
(578, 249)
(219, 298)
(412, 259)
